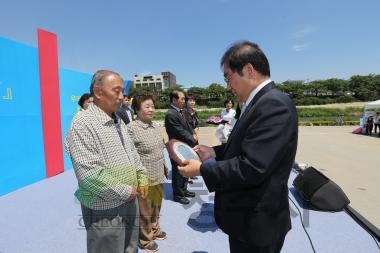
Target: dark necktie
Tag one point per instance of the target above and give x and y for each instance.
(182, 114)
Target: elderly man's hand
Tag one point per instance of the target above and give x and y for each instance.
(143, 191)
(190, 168)
(133, 195)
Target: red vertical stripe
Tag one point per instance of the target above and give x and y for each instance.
(50, 102)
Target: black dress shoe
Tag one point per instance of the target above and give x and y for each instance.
(181, 200)
(189, 194)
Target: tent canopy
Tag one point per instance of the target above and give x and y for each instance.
(372, 105)
(370, 109)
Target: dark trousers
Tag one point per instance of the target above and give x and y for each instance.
(368, 130)
(113, 230)
(377, 126)
(179, 183)
(237, 246)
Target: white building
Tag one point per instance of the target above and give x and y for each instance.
(156, 82)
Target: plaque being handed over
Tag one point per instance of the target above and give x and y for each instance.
(180, 151)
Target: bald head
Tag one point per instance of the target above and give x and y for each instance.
(107, 89)
(98, 78)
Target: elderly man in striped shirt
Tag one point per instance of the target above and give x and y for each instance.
(108, 168)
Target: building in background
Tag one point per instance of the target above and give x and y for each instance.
(170, 79)
(156, 82)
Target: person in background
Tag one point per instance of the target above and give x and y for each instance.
(251, 171)
(108, 169)
(190, 112)
(191, 117)
(237, 115)
(376, 121)
(125, 113)
(369, 125)
(84, 101)
(177, 127)
(149, 143)
(228, 116)
(228, 113)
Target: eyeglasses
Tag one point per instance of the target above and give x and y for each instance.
(227, 78)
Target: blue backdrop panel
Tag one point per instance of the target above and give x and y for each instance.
(72, 85)
(127, 86)
(21, 142)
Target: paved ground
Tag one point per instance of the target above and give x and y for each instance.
(46, 218)
(352, 161)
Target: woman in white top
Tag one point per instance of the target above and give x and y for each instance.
(228, 115)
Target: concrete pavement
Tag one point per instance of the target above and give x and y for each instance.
(350, 160)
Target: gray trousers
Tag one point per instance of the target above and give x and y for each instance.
(114, 230)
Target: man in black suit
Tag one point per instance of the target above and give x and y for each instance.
(125, 113)
(251, 171)
(178, 128)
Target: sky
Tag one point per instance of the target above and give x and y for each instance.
(303, 40)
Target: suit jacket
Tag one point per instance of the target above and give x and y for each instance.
(178, 128)
(192, 118)
(122, 114)
(251, 174)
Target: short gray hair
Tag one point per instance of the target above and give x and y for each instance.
(98, 77)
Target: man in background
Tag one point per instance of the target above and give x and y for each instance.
(177, 127)
(376, 122)
(125, 112)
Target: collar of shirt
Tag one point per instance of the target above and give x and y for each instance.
(253, 94)
(143, 124)
(175, 107)
(100, 114)
(127, 109)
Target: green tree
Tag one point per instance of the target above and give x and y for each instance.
(199, 93)
(133, 90)
(216, 91)
(365, 88)
(338, 87)
(294, 89)
(317, 88)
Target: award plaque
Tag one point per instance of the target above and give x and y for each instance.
(180, 151)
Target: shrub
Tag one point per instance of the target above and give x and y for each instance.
(215, 104)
